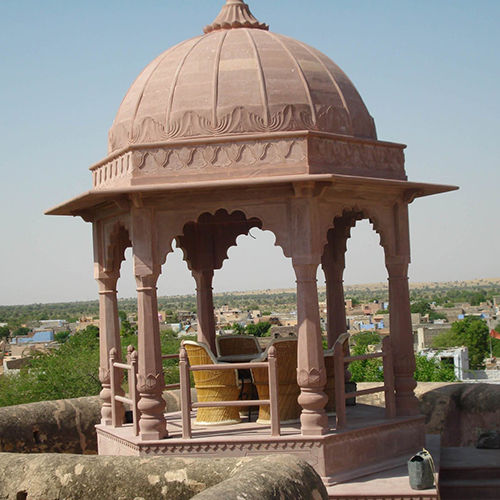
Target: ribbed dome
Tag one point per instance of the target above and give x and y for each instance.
(238, 81)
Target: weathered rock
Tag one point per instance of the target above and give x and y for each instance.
(461, 412)
(76, 477)
(63, 426)
(489, 440)
(272, 477)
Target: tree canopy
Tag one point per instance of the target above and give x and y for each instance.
(4, 332)
(471, 332)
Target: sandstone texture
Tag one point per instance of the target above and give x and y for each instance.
(458, 412)
(61, 426)
(75, 477)
(461, 412)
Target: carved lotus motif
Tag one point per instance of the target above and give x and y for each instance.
(104, 375)
(311, 378)
(149, 382)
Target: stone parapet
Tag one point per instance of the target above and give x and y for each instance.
(74, 476)
(62, 426)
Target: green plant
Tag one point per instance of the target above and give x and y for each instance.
(433, 370)
(471, 332)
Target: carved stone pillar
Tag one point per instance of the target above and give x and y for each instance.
(311, 374)
(109, 338)
(333, 267)
(333, 263)
(205, 307)
(402, 336)
(150, 381)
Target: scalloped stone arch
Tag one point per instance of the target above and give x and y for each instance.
(381, 219)
(116, 241)
(272, 217)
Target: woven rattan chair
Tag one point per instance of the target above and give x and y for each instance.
(216, 385)
(288, 388)
(229, 345)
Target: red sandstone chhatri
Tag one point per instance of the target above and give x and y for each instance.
(241, 128)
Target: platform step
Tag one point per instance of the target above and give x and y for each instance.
(469, 474)
(487, 489)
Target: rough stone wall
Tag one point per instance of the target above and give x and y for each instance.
(72, 477)
(62, 426)
(458, 412)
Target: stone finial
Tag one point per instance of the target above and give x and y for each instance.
(235, 14)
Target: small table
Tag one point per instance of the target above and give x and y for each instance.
(244, 375)
(237, 358)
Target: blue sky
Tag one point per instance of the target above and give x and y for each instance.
(428, 72)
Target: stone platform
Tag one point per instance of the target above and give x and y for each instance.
(370, 442)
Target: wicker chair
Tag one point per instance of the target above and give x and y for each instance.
(288, 388)
(216, 385)
(228, 345)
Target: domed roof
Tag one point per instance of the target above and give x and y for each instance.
(238, 78)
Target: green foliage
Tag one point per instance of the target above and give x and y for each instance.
(367, 370)
(68, 372)
(362, 341)
(238, 329)
(258, 329)
(4, 332)
(72, 370)
(22, 330)
(471, 332)
(61, 337)
(433, 370)
(446, 340)
(422, 307)
(127, 329)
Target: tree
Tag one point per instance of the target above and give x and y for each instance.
(22, 330)
(258, 329)
(433, 370)
(68, 372)
(61, 337)
(238, 329)
(367, 370)
(4, 332)
(422, 307)
(471, 332)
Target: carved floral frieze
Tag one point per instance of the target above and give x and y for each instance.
(346, 156)
(239, 120)
(319, 154)
(192, 158)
